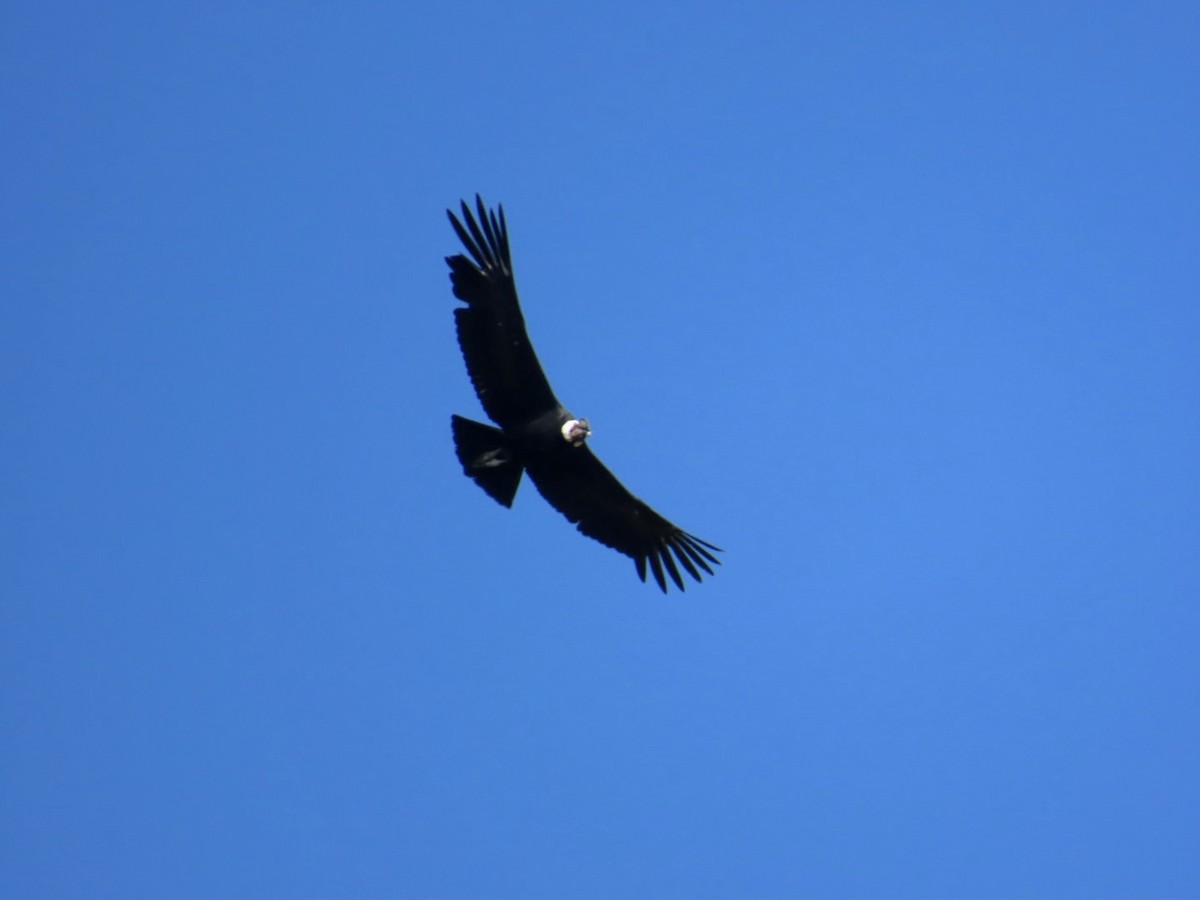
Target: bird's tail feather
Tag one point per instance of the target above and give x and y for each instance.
(486, 459)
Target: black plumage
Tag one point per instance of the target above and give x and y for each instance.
(536, 434)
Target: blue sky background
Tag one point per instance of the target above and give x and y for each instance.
(898, 303)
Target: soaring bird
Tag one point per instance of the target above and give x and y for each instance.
(537, 434)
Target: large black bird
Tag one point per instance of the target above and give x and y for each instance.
(537, 434)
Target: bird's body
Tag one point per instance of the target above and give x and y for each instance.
(536, 433)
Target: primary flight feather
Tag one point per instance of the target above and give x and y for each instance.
(536, 433)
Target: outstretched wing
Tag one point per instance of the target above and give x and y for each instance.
(491, 330)
(578, 485)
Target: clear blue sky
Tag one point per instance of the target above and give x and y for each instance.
(898, 303)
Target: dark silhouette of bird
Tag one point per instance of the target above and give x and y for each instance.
(536, 433)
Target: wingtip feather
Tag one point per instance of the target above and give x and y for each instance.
(664, 552)
(685, 562)
(657, 569)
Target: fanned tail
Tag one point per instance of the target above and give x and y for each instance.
(486, 459)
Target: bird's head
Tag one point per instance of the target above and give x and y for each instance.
(575, 431)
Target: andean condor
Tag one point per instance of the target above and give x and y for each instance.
(537, 434)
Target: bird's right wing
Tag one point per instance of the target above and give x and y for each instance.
(491, 330)
(579, 486)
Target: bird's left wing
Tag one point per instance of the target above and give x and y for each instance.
(500, 359)
(579, 486)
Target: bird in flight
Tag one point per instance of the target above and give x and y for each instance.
(536, 433)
